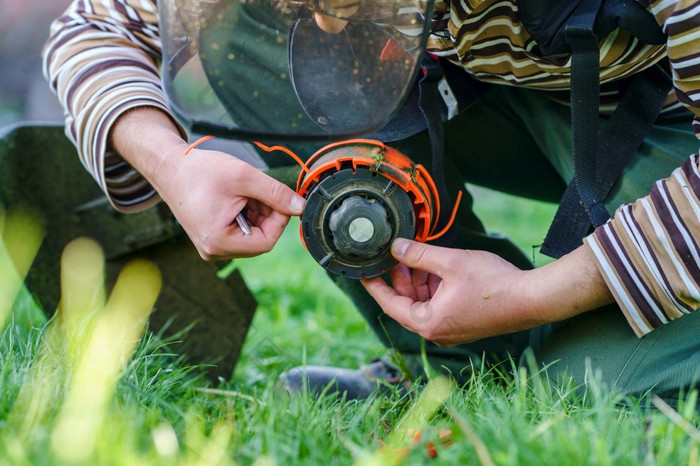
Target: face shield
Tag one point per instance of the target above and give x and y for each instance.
(291, 69)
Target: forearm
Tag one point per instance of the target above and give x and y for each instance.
(148, 139)
(564, 288)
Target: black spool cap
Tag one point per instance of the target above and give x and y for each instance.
(351, 218)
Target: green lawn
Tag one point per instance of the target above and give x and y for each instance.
(57, 408)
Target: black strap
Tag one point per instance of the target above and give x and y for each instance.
(581, 204)
(616, 146)
(599, 161)
(585, 96)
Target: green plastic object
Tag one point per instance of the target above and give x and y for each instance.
(39, 169)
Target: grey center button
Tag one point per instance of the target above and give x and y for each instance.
(361, 229)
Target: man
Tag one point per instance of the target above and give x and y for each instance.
(102, 61)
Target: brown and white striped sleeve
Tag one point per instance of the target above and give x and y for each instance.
(649, 252)
(102, 59)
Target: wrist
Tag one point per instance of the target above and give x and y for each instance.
(147, 138)
(525, 298)
(564, 288)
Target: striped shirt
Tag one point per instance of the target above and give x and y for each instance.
(102, 59)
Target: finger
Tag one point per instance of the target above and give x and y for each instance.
(233, 243)
(272, 225)
(433, 283)
(400, 308)
(419, 278)
(422, 256)
(257, 185)
(401, 281)
(256, 211)
(248, 209)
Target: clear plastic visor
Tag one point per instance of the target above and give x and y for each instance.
(296, 69)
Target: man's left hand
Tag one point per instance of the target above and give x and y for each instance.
(452, 296)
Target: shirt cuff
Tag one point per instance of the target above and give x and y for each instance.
(127, 190)
(649, 252)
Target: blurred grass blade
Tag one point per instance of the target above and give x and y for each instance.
(82, 289)
(21, 233)
(110, 345)
(423, 409)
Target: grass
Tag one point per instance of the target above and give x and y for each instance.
(164, 412)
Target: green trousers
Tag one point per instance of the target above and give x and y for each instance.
(517, 141)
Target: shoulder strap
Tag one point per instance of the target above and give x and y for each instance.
(598, 162)
(616, 146)
(585, 108)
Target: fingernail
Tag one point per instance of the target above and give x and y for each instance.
(399, 246)
(297, 204)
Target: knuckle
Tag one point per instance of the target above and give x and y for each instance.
(267, 247)
(278, 192)
(205, 256)
(207, 252)
(430, 334)
(418, 253)
(434, 335)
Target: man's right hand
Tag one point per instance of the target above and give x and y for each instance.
(206, 189)
(210, 188)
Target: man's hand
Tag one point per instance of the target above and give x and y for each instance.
(208, 190)
(451, 296)
(205, 189)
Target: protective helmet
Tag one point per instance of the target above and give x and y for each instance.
(291, 69)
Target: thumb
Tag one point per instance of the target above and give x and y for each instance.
(419, 256)
(273, 193)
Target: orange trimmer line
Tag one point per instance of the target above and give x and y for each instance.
(452, 219)
(286, 151)
(261, 146)
(198, 142)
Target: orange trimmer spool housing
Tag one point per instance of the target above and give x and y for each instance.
(361, 195)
